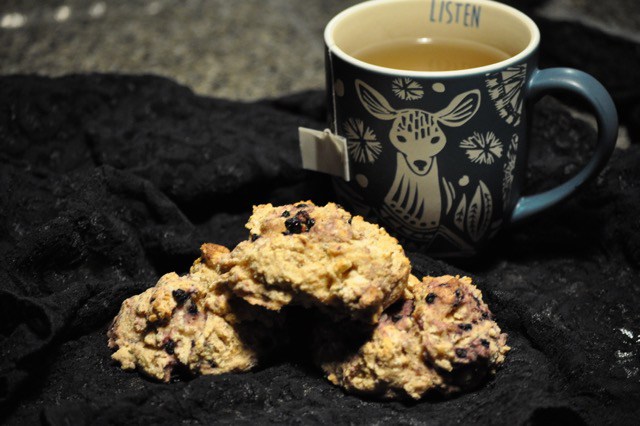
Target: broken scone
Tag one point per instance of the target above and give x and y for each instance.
(439, 338)
(320, 257)
(187, 323)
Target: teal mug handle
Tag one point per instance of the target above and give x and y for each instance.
(581, 83)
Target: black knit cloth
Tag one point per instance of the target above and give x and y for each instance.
(108, 182)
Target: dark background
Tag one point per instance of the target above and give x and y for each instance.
(109, 181)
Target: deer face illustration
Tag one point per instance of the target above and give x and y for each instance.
(414, 199)
(415, 133)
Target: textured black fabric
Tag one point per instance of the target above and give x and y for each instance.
(613, 60)
(107, 182)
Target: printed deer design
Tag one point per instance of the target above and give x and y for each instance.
(414, 199)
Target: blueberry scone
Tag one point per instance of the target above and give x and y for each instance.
(187, 323)
(439, 338)
(317, 256)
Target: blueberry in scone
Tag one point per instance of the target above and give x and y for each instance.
(317, 256)
(439, 338)
(190, 323)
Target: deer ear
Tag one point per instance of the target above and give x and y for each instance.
(460, 110)
(374, 102)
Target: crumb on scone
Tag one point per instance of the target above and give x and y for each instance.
(184, 322)
(318, 256)
(440, 338)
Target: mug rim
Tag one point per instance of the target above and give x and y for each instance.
(520, 57)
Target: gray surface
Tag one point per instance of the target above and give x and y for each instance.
(241, 49)
(238, 49)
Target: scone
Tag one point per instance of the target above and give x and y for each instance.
(440, 338)
(186, 323)
(320, 257)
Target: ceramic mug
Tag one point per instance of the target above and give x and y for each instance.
(439, 157)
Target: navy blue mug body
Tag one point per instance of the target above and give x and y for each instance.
(439, 158)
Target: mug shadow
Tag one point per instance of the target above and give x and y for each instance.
(565, 232)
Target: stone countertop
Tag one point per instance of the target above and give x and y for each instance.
(243, 49)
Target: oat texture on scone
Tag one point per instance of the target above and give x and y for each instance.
(317, 256)
(440, 338)
(190, 323)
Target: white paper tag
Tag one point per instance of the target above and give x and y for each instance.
(324, 152)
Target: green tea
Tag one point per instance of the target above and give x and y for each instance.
(430, 54)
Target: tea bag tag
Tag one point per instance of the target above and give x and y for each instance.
(324, 152)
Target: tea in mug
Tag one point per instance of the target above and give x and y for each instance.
(430, 54)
